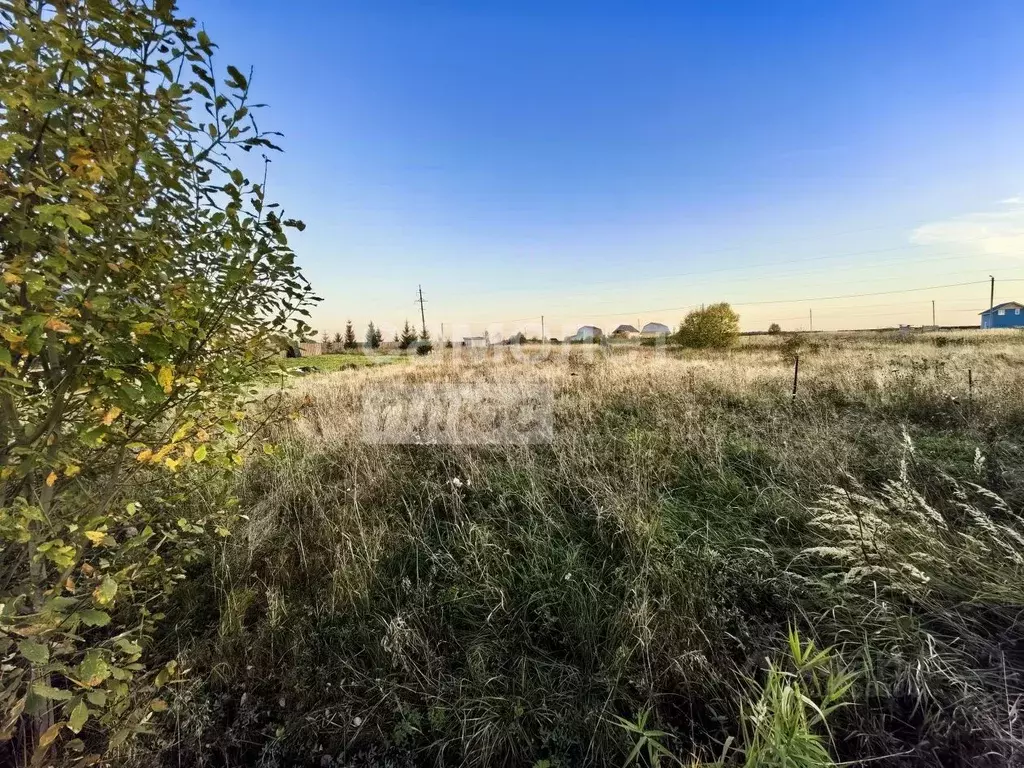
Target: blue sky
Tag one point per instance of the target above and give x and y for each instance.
(614, 162)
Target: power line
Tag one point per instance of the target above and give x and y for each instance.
(775, 301)
(748, 267)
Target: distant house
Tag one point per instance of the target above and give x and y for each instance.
(652, 330)
(474, 341)
(586, 333)
(1005, 315)
(625, 332)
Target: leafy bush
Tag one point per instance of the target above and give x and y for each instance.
(774, 329)
(716, 326)
(146, 282)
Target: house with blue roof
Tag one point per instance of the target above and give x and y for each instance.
(1009, 314)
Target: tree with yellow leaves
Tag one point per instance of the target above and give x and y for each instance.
(146, 281)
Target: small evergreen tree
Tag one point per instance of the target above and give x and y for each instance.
(350, 336)
(373, 336)
(408, 337)
(774, 329)
(423, 346)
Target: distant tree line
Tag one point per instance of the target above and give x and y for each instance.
(408, 339)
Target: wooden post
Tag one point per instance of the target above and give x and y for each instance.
(796, 373)
(970, 385)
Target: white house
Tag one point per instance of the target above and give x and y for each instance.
(474, 341)
(654, 329)
(586, 333)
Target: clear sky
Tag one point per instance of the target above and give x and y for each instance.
(605, 162)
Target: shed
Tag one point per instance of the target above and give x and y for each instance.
(474, 341)
(625, 331)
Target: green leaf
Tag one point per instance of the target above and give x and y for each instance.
(200, 453)
(237, 78)
(78, 716)
(104, 593)
(94, 618)
(129, 647)
(35, 652)
(94, 669)
(51, 693)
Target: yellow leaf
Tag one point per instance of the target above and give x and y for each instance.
(172, 464)
(165, 378)
(74, 339)
(145, 455)
(96, 537)
(11, 335)
(81, 156)
(51, 479)
(71, 470)
(202, 436)
(158, 705)
(59, 326)
(141, 329)
(111, 415)
(51, 733)
(162, 453)
(11, 279)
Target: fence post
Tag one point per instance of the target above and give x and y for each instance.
(796, 373)
(970, 385)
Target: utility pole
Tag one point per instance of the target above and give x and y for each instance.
(423, 317)
(933, 313)
(810, 318)
(442, 333)
(992, 292)
(543, 338)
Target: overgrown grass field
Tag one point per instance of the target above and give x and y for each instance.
(698, 567)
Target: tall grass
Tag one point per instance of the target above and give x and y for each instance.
(515, 604)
